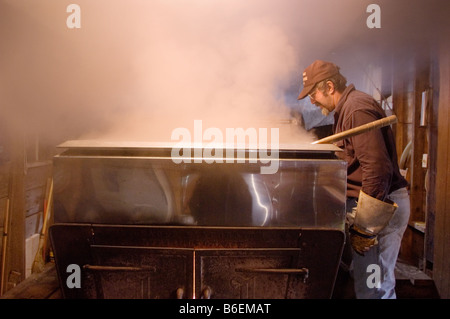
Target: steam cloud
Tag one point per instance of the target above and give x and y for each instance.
(136, 70)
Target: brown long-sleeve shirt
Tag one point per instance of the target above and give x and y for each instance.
(371, 156)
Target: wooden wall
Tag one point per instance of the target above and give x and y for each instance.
(441, 271)
(23, 184)
(13, 253)
(410, 79)
(426, 71)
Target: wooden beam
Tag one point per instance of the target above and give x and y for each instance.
(403, 106)
(419, 146)
(15, 252)
(43, 285)
(402, 100)
(441, 269)
(430, 183)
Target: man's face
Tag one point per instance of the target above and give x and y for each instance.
(322, 100)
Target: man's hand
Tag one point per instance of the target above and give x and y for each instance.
(361, 241)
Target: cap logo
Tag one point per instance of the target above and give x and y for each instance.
(305, 78)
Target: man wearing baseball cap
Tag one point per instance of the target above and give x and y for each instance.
(378, 206)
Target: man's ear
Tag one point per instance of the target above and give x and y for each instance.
(330, 87)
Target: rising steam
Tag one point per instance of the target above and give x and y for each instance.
(136, 70)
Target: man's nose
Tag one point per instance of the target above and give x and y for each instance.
(312, 100)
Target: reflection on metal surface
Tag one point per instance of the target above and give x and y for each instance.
(260, 194)
(180, 293)
(116, 268)
(145, 187)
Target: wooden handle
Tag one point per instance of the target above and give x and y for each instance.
(358, 130)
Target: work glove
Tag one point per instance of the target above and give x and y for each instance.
(361, 241)
(370, 217)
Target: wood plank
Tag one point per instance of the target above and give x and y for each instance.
(37, 175)
(432, 114)
(15, 251)
(445, 197)
(441, 269)
(403, 103)
(2, 211)
(403, 99)
(34, 200)
(4, 180)
(33, 224)
(419, 147)
(44, 285)
(1, 244)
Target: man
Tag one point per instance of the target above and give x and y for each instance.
(377, 197)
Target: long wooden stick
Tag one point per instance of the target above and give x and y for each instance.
(39, 262)
(4, 247)
(358, 130)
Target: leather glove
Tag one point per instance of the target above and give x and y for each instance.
(361, 241)
(371, 216)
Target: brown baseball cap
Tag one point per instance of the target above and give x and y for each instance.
(318, 71)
